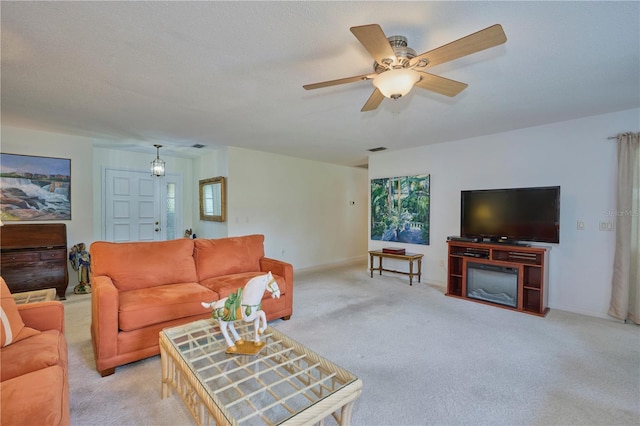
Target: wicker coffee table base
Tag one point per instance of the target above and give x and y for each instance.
(25, 297)
(333, 390)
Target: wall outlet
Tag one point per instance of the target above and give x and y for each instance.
(580, 225)
(442, 263)
(606, 225)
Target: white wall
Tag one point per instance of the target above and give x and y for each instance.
(303, 207)
(44, 144)
(212, 163)
(311, 213)
(575, 155)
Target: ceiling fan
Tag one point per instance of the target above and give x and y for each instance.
(397, 68)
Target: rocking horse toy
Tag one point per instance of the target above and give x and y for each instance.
(245, 304)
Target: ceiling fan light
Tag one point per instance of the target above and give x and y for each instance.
(396, 82)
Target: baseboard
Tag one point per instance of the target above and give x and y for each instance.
(346, 262)
(587, 313)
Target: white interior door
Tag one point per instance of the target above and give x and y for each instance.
(138, 206)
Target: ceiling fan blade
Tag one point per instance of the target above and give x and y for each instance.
(483, 39)
(374, 101)
(441, 85)
(373, 39)
(338, 81)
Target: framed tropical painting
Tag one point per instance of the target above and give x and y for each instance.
(34, 188)
(400, 209)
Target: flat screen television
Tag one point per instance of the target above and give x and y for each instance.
(514, 214)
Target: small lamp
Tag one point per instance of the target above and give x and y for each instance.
(157, 165)
(397, 82)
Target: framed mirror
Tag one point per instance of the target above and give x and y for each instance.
(213, 199)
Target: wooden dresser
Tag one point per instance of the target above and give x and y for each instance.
(34, 257)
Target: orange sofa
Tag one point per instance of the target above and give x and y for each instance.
(137, 289)
(33, 363)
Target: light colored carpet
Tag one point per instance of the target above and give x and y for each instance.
(423, 358)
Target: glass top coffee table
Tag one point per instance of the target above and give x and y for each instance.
(32, 296)
(286, 383)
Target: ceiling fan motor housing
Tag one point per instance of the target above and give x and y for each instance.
(403, 54)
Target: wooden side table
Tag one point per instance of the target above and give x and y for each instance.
(410, 257)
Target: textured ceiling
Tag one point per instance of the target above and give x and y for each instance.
(131, 74)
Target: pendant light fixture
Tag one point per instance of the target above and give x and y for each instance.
(157, 165)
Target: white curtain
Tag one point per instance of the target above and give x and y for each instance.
(625, 292)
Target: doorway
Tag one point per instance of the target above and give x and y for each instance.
(140, 207)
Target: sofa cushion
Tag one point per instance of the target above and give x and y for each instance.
(228, 284)
(147, 306)
(36, 398)
(141, 264)
(12, 327)
(226, 256)
(43, 350)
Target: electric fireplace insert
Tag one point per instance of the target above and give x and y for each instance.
(495, 284)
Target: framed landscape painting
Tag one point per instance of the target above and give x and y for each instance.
(400, 209)
(34, 188)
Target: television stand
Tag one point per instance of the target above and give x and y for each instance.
(530, 263)
(514, 243)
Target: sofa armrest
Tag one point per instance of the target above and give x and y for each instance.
(43, 315)
(278, 267)
(104, 317)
